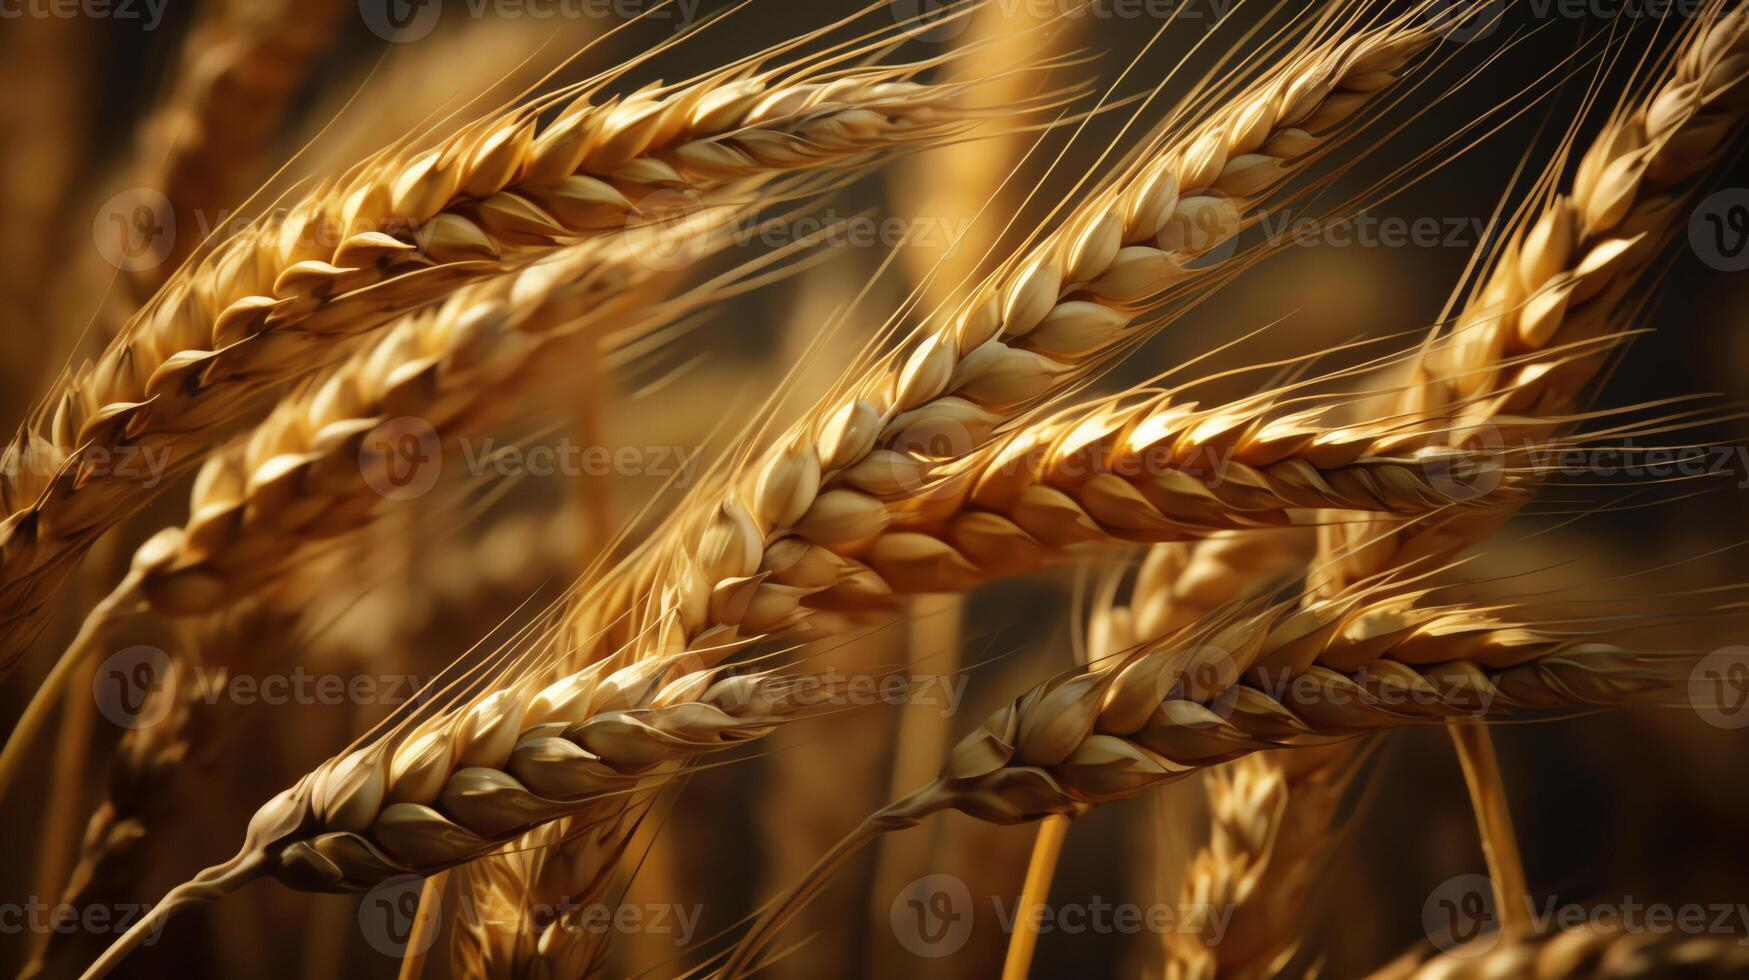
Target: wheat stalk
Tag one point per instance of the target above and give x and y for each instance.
(270, 303)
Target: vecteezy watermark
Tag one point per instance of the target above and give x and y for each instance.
(832, 687)
(1367, 230)
(1460, 917)
(303, 687)
(940, 21)
(33, 916)
(1460, 912)
(572, 459)
(135, 229)
(1718, 230)
(135, 687)
(149, 13)
(402, 459)
(402, 21)
(145, 466)
(388, 914)
(1471, 20)
(933, 916)
(1718, 687)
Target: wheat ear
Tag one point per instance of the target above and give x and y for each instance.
(1564, 278)
(1339, 669)
(235, 73)
(1031, 330)
(304, 473)
(398, 231)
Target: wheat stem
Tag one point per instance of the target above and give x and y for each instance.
(1494, 816)
(1052, 831)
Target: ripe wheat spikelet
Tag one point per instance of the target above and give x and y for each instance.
(1339, 669)
(297, 476)
(398, 231)
(1565, 278)
(1596, 951)
(1155, 470)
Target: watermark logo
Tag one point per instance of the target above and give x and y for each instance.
(1205, 227)
(907, 467)
(131, 686)
(1469, 470)
(134, 229)
(1460, 913)
(400, 21)
(1718, 230)
(1204, 675)
(402, 458)
(387, 914)
(1718, 687)
(932, 916)
(664, 234)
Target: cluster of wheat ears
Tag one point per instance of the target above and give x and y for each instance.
(497, 255)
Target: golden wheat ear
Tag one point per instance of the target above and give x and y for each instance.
(278, 299)
(1291, 676)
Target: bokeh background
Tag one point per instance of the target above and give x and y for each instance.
(1643, 805)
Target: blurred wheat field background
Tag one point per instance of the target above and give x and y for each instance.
(1198, 488)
